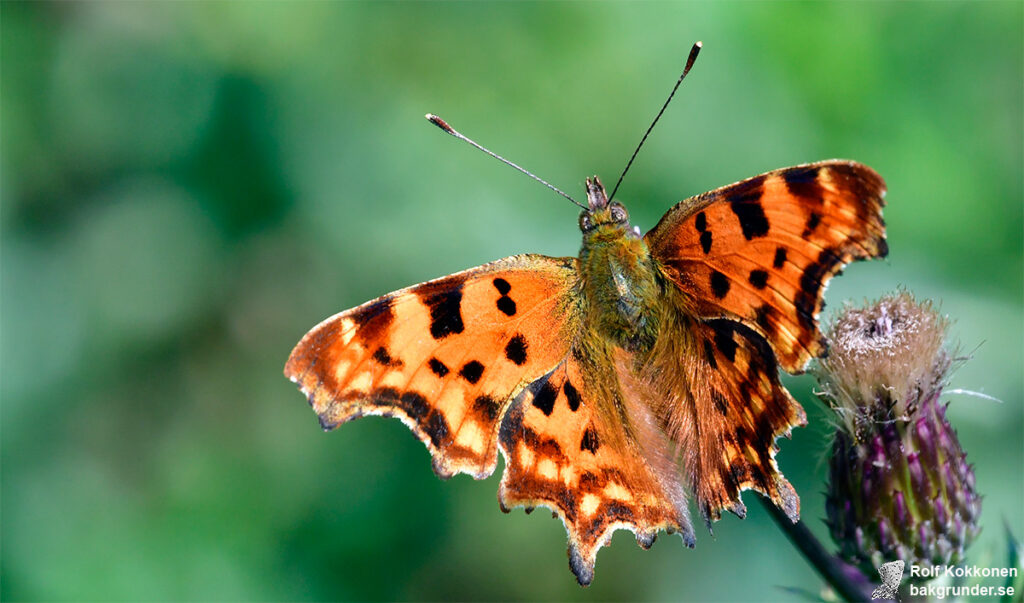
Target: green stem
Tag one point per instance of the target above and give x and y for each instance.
(847, 580)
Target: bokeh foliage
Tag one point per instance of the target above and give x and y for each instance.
(188, 187)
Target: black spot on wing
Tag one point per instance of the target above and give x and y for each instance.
(618, 511)
(437, 367)
(739, 471)
(780, 257)
(719, 284)
(812, 223)
(810, 286)
(414, 404)
(763, 441)
(720, 402)
(705, 241)
(762, 316)
(507, 305)
(724, 337)
(383, 396)
(444, 298)
(511, 428)
(436, 428)
(571, 395)
(740, 436)
(515, 350)
(502, 286)
(590, 443)
(591, 482)
(701, 222)
(803, 182)
(762, 359)
(753, 222)
(545, 398)
(472, 371)
(757, 474)
(759, 278)
(709, 354)
(731, 489)
(748, 190)
(487, 407)
(374, 319)
(803, 174)
(745, 202)
(381, 356)
(765, 434)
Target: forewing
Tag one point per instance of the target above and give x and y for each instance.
(446, 356)
(762, 250)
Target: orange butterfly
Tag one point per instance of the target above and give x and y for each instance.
(608, 380)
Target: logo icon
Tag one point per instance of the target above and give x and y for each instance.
(892, 574)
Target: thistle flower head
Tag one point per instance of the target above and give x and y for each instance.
(899, 485)
(883, 360)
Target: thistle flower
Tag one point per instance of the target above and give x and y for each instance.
(899, 486)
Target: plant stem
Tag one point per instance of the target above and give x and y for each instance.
(847, 580)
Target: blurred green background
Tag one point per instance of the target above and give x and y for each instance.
(187, 188)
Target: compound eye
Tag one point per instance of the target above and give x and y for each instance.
(619, 214)
(585, 222)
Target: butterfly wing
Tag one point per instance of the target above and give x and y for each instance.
(762, 250)
(446, 356)
(751, 261)
(573, 442)
(739, 409)
(456, 357)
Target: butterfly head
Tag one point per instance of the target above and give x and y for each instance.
(603, 217)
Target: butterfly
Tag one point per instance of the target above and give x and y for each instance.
(616, 382)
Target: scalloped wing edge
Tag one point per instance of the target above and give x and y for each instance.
(582, 561)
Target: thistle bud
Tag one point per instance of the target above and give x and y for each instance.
(900, 486)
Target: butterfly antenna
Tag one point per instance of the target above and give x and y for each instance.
(689, 63)
(440, 123)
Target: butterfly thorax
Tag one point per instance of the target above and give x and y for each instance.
(618, 275)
